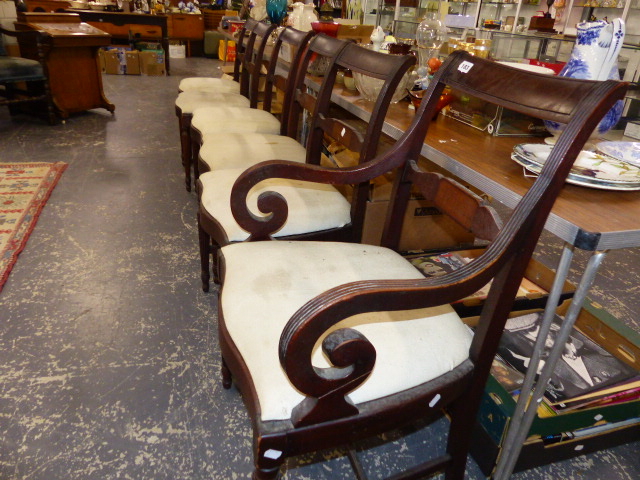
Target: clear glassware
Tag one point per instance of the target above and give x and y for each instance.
(430, 36)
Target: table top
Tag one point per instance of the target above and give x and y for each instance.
(585, 217)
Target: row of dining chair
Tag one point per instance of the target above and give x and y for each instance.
(331, 341)
(241, 137)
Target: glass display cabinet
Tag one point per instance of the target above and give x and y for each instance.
(512, 16)
(507, 25)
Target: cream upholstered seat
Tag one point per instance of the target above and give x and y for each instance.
(260, 296)
(228, 84)
(188, 102)
(312, 207)
(226, 118)
(316, 212)
(209, 84)
(242, 150)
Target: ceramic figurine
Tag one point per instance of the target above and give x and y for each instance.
(377, 37)
(259, 10)
(293, 20)
(308, 16)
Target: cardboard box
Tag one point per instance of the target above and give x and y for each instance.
(148, 46)
(8, 17)
(424, 228)
(132, 60)
(227, 51)
(537, 453)
(115, 61)
(152, 62)
(498, 406)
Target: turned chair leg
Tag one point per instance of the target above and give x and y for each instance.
(205, 251)
(259, 474)
(185, 146)
(195, 153)
(459, 439)
(215, 267)
(227, 378)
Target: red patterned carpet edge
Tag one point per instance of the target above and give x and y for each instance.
(24, 191)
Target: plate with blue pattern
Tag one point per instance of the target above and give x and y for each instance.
(625, 151)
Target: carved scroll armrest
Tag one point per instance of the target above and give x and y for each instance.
(350, 353)
(274, 206)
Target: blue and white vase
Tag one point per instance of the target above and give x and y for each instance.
(595, 57)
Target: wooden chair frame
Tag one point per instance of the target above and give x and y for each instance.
(13, 95)
(390, 68)
(325, 418)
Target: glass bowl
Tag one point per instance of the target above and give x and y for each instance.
(328, 28)
(369, 87)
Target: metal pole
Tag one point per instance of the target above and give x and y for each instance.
(529, 399)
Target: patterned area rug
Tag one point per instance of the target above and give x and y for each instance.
(24, 190)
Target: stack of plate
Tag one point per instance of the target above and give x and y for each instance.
(591, 169)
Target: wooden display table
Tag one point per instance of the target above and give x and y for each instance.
(72, 60)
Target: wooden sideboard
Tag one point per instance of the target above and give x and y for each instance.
(187, 27)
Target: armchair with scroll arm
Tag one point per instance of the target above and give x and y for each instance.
(332, 342)
(25, 81)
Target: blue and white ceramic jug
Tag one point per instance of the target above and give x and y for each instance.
(595, 57)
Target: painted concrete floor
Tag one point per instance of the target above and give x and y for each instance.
(109, 359)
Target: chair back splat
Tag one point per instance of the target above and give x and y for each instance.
(295, 41)
(253, 61)
(387, 335)
(241, 47)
